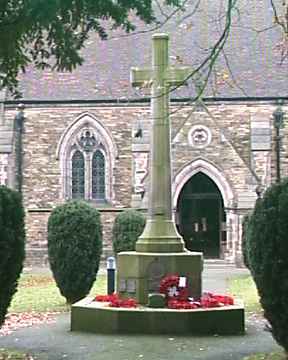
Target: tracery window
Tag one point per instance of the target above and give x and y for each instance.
(98, 176)
(78, 175)
(88, 169)
(87, 153)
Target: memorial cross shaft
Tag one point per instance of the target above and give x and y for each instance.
(160, 234)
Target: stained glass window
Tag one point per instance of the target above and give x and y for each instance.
(98, 176)
(78, 175)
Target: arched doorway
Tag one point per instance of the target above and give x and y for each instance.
(200, 216)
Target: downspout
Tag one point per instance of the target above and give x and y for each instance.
(19, 126)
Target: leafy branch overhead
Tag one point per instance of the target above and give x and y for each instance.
(52, 33)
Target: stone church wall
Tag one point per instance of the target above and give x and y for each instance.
(4, 169)
(229, 150)
(36, 232)
(41, 169)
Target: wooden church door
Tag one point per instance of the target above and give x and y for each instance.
(200, 216)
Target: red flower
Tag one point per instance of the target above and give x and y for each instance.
(182, 304)
(176, 296)
(209, 300)
(115, 301)
(225, 299)
(124, 303)
(106, 298)
(169, 286)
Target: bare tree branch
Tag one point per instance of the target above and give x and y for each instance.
(194, 10)
(154, 28)
(208, 63)
(277, 19)
(234, 80)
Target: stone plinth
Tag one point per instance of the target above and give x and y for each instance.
(95, 317)
(160, 236)
(139, 274)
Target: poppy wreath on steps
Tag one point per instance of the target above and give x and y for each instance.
(177, 297)
(115, 301)
(169, 286)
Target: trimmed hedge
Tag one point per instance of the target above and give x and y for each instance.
(267, 251)
(128, 226)
(74, 248)
(245, 226)
(12, 246)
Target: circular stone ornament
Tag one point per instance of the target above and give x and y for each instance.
(199, 136)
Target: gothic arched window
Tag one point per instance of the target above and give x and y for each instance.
(87, 156)
(78, 175)
(87, 167)
(98, 176)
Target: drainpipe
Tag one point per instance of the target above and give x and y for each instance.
(19, 125)
(278, 116)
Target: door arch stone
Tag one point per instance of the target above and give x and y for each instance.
(228, 195)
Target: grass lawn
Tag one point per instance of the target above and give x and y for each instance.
(244, 288)
(39, 293)
(272, 356)
(14, 355)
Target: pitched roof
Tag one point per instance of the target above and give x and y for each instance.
(249, 66)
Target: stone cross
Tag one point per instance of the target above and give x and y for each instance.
(160, 234)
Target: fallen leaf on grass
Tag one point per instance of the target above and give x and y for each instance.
(8, 355)
(34, 281)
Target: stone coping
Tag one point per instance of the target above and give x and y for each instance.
(88, 302)
(185, 252)
(96, 317)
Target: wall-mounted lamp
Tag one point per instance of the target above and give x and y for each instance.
(19, 117)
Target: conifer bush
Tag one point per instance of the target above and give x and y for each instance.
(128, 226)
(245, 224)
(267, 251)
(12, 244)
(74, 248)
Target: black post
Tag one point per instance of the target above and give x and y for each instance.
(19, 124)
(110, 275)
(278, 142)
(278, 116)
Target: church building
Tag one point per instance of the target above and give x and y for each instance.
(85, 134)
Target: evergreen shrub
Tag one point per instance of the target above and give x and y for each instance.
(74, 248)
(245, 224)
(267, 251)
(12, 246)
(128, 226)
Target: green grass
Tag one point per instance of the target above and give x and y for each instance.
(272, 356)
(39, 293)
(13, 355)
(244, 288)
